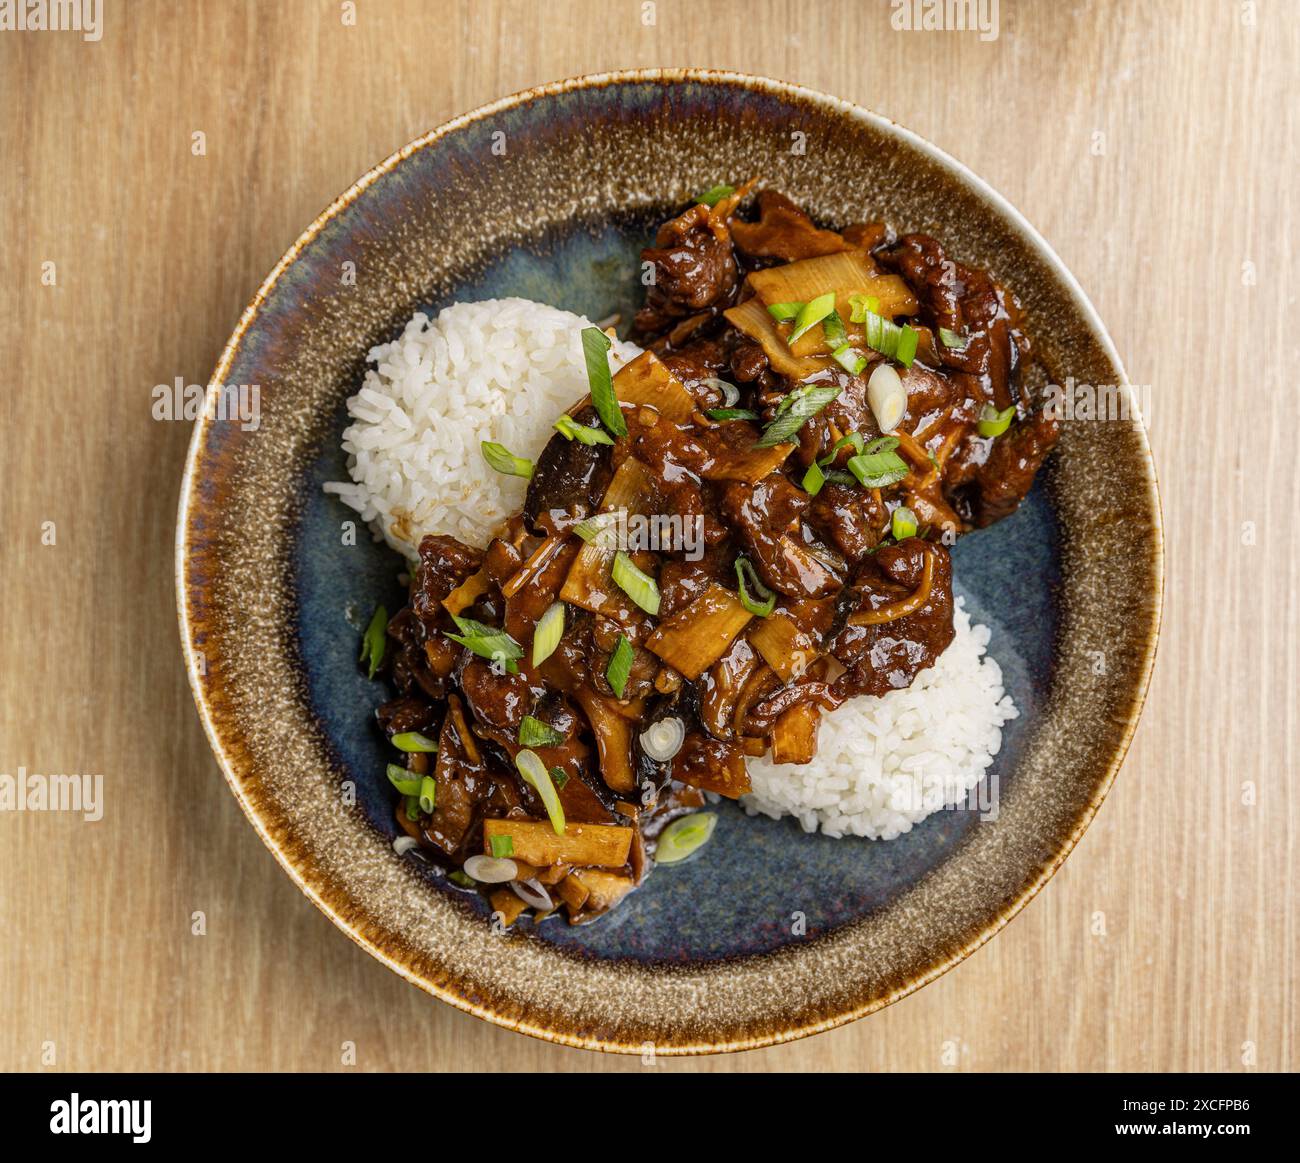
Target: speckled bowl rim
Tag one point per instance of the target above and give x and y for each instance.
(1031, 238)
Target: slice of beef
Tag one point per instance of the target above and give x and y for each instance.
(883, 656)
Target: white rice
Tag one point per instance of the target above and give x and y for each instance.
(883, 765)
(501, 370)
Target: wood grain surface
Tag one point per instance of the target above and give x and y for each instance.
(1153, 143)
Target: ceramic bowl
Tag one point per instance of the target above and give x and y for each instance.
(550, 194)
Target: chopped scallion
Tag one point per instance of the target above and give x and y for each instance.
(851, 361)
(684, 837)
(879, 465)
(813, 479)
(428, 794)
(715, 195)
(860, 306)
(812, 313)
(487, 642)
(595, 346)
(620, 666)
(504, 461)
(833, 329)
(994, 423)
(796, 410)
(374, 641)
(501, 846)
(951, 340)
(853, 440)
(785, 312)
(902, 523)
(548, 632)
(764, 602)
(411, 804)
(534, 733)
(570, 429)
(560, 776)
(413, 741)
(534, 773)
(462, 879)
(731, 414)
(890, 339)
(637, 584)
(406, 782)
(601, 529)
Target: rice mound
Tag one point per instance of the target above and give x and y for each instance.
(501, 369)
(885, 764)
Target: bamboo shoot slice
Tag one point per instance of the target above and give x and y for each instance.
(573, 893)
(794, 738)
(698, 635)
(647, 381)
(786, 648)
(613, 731)
(752, 318)
(507, 904)
(535, 842)
(604, 889)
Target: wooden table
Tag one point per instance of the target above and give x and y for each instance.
(1153, 144)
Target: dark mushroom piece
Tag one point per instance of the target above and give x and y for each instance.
(569, 478)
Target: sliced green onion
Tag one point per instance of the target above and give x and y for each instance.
(731, 414)
(785, 312)
(851, 361)
(684, 837)
(412, 806)
(730, 393)
(853, 440)
(461, 878)
(428, 794)
(994, 423)
(501, 846)
(811, 314)
(413, 741)
(601, 529)
(833, 329)
(595, 345)
(890, 339)
(548, 632)
(620, 666)
(765, 602)
(715, 195)
(504, 461)
(560, 776)
(839, 476)
(882, 444)
(887, 396)
(405, 781)
(860, 306)
(570, 429)
(638, 585)
(813, 479)
(536, 776)
(374, 641)
(487, 642)
(880, 465)
(535, 733)
(796, 410)
(902, 523)
(951, 340)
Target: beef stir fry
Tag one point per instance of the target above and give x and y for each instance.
(734, 534)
